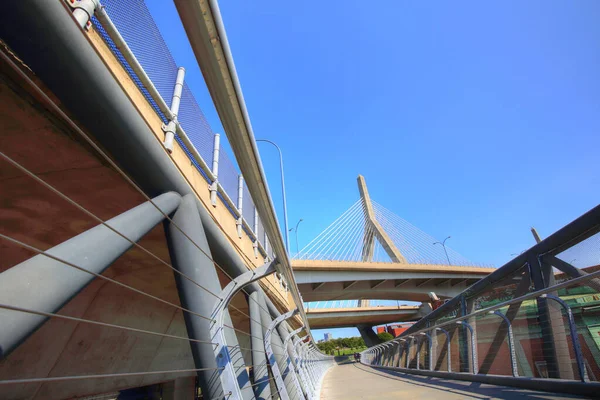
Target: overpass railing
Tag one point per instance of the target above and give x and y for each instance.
(132, 35)
(320, 305)
(533, 323)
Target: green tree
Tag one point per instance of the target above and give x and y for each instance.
(385, 336)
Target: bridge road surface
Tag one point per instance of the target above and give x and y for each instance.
(350, 380)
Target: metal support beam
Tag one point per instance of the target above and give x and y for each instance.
(228, 375)
(289, 371)
(47, 284)
(571, 270)
(370, 338)
(317, 286)
(290, 345)
(198, 265)
(281, 387)
(286, 333)
(262, 388)
(348, 286)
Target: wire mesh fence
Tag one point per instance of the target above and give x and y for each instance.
(139, 30)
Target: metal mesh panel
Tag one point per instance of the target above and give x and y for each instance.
(248, 207)
(261, 232)
(136, 25)
(505, 290)
(228, 176)
(147, 44)
(585, 254)
(195, 125)
(111, 45)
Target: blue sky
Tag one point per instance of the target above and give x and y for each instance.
(468, 118)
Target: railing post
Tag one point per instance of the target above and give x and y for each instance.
(473, 346)
(408, 351)
(171, 126)
(547, 325)
(448, 358)
(240, 204)
(511, 342)
(416, 338)
(574, 335)
(429, 348)
(214, 186)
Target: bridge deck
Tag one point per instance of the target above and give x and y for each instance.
(356, 381)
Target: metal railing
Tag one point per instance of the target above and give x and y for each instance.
(532, 323)
(131, 33)
(319, 305)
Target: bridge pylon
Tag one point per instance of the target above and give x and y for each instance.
(373, 229)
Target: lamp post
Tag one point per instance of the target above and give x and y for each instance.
(285, 220)
(443, 243)
(296, 231)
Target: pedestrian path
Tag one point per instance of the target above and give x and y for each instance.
(350, 380)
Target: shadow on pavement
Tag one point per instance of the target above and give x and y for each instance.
(342, 360)
(476, 389)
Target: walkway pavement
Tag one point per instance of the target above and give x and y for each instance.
(356, 381)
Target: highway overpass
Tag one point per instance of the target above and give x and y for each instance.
(322, 280)
(354, 316)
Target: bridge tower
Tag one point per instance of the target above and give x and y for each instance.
(374, 230)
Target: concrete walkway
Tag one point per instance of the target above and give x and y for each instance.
(356, 381)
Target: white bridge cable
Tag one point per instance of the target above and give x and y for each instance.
(317, 239)
(347, 244)
(321, 250)
(414, 244)
(349, 228)
(317, 248)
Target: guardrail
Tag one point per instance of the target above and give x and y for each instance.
(499, 331)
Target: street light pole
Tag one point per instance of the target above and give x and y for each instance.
(296, 230)
(444, 246)
(285, 219)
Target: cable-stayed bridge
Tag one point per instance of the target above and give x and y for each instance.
(139, 260)
(370, 253)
